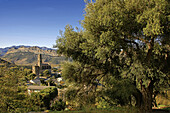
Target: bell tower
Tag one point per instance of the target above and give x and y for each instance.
(39, 61)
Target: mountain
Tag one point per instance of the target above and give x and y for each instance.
(4, 62)
(27, 55)
(4, 50)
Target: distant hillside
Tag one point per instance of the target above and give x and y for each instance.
(4, 62)
(28, 55)
(3, 51)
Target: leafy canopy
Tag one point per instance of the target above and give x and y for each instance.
(122, 40)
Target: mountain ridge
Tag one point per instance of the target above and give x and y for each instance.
(27, 55)
(4, 50)
(33, 49)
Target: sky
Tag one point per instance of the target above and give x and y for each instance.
(37, 22)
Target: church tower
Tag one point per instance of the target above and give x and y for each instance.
(39, 61)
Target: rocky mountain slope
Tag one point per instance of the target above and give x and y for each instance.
(4, 50)
(27, 55)
(34, 49)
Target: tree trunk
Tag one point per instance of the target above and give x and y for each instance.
(147, 99)
(144, 98)
(138, 97)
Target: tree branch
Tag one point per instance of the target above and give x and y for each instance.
(150, 48)
(131, 41)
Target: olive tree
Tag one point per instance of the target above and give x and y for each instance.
(124, 40)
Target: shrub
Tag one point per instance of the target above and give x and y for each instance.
(58, 105)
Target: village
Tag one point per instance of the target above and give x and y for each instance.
(45, 77)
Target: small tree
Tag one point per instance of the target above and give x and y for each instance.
(43, 99)
(46, 72)
(31, 76)
(58, 105)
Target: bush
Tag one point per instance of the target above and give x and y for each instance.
(42, 99)
(48, 94)
(31, 76)
(46, 72)
(58, 105)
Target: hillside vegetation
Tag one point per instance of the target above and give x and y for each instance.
(4, 62)
(28, 55)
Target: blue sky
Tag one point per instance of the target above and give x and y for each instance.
(37, 22)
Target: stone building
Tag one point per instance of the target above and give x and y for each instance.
(37, 88)
(40, 67)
